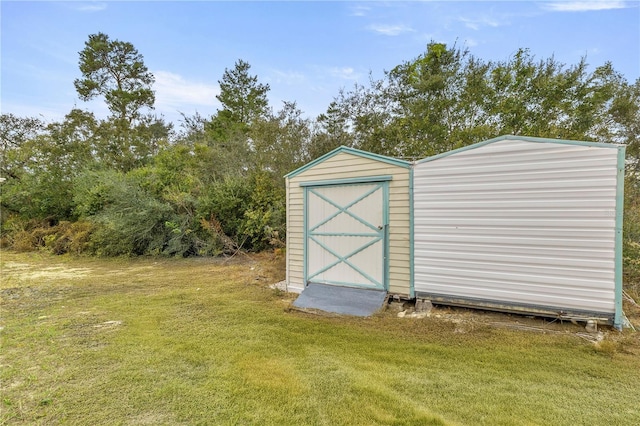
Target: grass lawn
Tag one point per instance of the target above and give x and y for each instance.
(203, 341)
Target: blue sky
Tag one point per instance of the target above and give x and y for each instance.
(305, 51)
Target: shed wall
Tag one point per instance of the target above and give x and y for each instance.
(345, 165)
(520, 223)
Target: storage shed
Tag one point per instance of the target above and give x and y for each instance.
(348, 222)
(515, 223)
(522, 224)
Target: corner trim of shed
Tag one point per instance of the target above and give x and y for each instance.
(618, 320)
(412, 264)
(522, 138)
(352, 151)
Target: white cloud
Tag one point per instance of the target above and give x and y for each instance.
(344, 73)
(476, 24)
(360, 10)
(174, 92)
(390, 30)
(584, 6)
(589, 53)
(93, 6)
(470, 42)
(287, 77)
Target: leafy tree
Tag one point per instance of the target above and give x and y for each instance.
(438, 100)
(446, 98)
(368, 114)
(123, 148)
(548, 99)
(280, 142)
(631, 233)
(622, 122)
(243, 99)
(228, 150)
(334, 129)
(16, 143)
(114, 69)
(263, 225)
(73, 142)
(41, 163)
(224, 202)
(191, 130)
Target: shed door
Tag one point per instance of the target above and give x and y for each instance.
(346, 227)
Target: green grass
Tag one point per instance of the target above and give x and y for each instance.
(201, 341)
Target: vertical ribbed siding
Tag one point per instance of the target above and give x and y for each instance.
(518, 222)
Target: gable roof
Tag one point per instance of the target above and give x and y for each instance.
(352, 151)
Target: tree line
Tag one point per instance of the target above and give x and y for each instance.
(133, 184)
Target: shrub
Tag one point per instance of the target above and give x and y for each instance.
(70, 237)
(63, 237)
(248, 211)
(226, 201)
(263, 223)
(128, 221)
(22, 234)
(631, 238)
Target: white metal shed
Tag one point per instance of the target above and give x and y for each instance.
(515, 223)
(522, 224)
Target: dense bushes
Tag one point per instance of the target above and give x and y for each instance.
(142, 213)
(631, 238)
(129, 221)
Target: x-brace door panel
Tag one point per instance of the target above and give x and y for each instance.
(346, 234)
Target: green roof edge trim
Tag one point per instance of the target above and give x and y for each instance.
(522, 138)
(352, 151)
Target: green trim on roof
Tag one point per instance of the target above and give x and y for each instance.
(520, 138)
(352, 151)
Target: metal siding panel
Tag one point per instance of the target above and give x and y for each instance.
(521, 222)
(527, 260)
(516, 241)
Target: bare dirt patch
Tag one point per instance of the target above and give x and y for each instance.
(469, 321)
(25, 272)
(29, 298)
